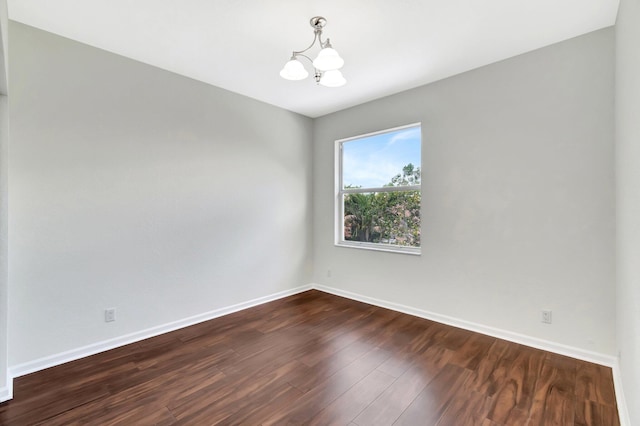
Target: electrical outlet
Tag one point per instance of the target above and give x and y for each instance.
(110, 315)
(328, 273)
(546, 316)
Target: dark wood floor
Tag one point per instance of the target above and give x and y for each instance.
(318, 359)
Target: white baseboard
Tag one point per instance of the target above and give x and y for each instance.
(74, 354)
(6, 392)
(623, 411)
(522, 339)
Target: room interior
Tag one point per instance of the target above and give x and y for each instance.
(179, 178)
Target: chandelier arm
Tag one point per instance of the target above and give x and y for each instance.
(316, 36)
(304, 56)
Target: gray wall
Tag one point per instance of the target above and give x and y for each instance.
(4, 149)
(628, 199)
(4, 21)
(518, 196)
(135, 188)
(4, 301)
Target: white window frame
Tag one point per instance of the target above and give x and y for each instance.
(340, 192)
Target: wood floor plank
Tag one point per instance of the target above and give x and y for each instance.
(493, 369)
(320, 372)
(515, 395)
(236, 397)
(397, 364)
(472, 351)
(348, 405)
(449, 337)
(386, 409)
(145, 411)
(589, 413)
(554, 401)
(258, 411)
(595, 383)
(467, 409)
(431, 403)
(315, 358)
(328, 391)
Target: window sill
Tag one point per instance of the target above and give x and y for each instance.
(415, 251)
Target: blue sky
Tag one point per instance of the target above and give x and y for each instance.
(372, 161)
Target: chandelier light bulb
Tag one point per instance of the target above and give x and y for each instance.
(332, 78)
(328, 59)
(294, 70)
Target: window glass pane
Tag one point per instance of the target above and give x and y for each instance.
(391, 218)
(374, 161)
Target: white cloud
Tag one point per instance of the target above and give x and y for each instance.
(402, 135)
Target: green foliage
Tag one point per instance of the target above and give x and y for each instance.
(386, 217)
(410, 176)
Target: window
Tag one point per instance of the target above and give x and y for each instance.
(378, 188)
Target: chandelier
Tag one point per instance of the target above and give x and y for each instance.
(326, 66)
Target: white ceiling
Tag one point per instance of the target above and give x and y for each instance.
(388, 46)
